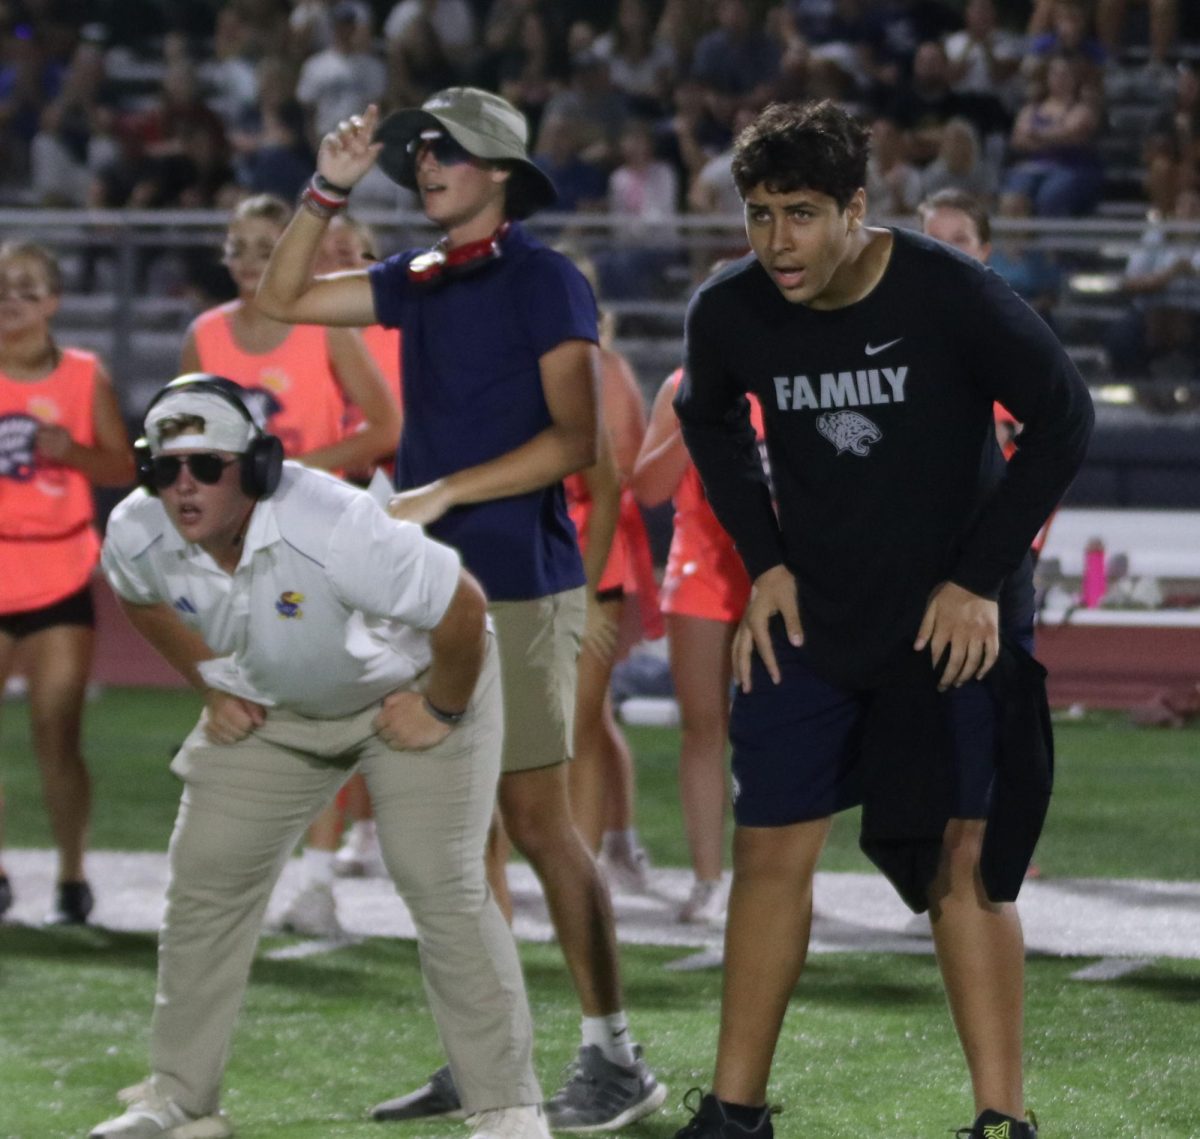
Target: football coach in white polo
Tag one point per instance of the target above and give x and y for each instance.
(322, 635)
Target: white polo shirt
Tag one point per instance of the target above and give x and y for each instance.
(328, 610)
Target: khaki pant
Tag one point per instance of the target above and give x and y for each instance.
(245, 806)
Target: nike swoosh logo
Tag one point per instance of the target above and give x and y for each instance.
(875, 349)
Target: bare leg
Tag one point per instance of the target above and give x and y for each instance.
(700, 668)
(60, 659)
(981, 953)
(358, 799)
(537, 817)
(326, 829)
(496, 854)
(587, 772)
(620, 784)
(8, 651)
(766, 942)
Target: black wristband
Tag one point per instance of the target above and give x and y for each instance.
(324, 183)
(450, 719)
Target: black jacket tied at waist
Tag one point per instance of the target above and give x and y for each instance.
(909, 778)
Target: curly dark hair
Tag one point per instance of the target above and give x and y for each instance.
(803, 146)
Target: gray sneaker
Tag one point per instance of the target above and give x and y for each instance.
(439, 1097)
(602, 1096)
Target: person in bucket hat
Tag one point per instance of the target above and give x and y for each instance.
(500, 365)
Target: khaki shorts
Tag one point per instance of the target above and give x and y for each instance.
(539, 657)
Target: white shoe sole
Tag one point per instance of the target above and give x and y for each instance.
(639, 1110)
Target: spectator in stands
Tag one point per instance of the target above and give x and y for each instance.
(1160, 332)
(893, 183)
(29, 79)
(502, 34)
(174, 154)
(640, 64)
(1171, 154)
(643, 193)
(598, 109)
(959, 164)
(582, 185)
(737, 57)
(77, 135)
(1063, 27)
(1164, 26)
(691, 135)
(1058, 168)
(63, 434)
(681, 25)
(337, 82)
(533, 69)
(1031, 273)
(231, 77)
(269, 140)
(984, 58)
(923, 106)
(436, 38)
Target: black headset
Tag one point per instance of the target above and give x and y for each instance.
(261, 462)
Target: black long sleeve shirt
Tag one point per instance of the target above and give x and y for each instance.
(886, 472)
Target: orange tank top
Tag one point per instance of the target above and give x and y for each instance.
(48, 546)
(384, 346)
(292, 387)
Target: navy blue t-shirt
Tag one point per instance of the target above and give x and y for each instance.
(473, 391)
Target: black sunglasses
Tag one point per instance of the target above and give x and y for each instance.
(205, 468)
(442, 147)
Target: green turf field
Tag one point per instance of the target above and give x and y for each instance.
(867, 1048)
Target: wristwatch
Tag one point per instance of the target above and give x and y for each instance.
(450, 719)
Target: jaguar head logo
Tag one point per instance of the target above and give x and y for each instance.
(849, 431)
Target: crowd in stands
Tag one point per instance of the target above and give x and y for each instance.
(632, 104)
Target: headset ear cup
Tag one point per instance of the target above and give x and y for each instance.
(144, 466)
(262, 465)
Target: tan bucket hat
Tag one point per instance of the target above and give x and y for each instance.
(482, 123)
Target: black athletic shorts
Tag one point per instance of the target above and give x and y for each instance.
(795, 744)
(77, 609)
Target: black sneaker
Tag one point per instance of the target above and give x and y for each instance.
(6, 897)
(439, 1097)
(72, 904)
(709, 1120)
(993, 1125)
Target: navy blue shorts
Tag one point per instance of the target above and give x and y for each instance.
(797, 745)
(76, 609)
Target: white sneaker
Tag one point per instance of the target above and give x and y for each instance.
(627, 871)
(155, 1117)
(313, 912)
(359, 855)
(705, 904)
(510, 1123)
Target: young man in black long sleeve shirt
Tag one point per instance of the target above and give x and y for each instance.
(896, 546)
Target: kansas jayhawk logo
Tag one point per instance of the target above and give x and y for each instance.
(849, 431)
(289, 604)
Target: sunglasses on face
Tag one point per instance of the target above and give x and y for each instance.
(204, 468)
(444, 149)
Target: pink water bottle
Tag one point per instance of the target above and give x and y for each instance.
(1094, 581)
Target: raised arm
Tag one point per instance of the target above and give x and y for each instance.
(288, 291)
